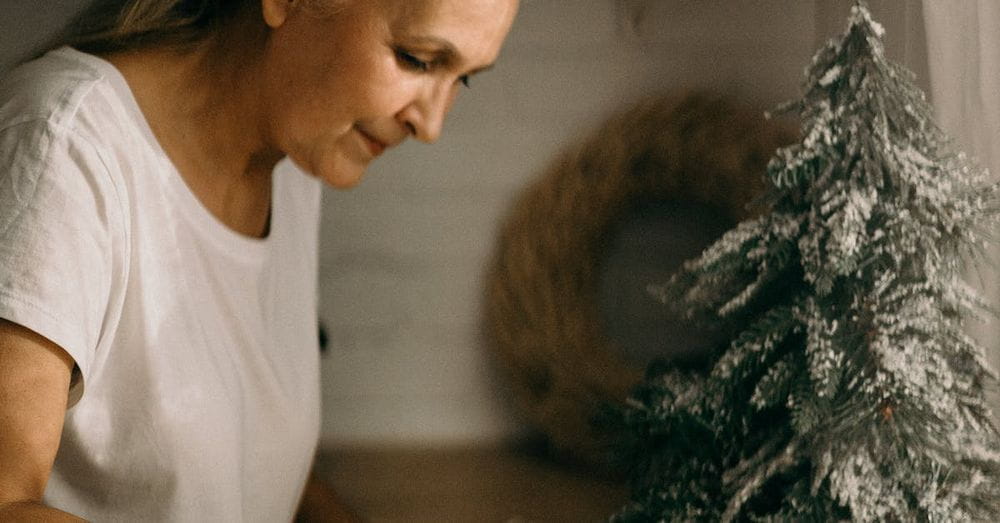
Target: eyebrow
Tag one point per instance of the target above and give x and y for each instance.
(449, 54)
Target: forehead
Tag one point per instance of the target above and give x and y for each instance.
(443, 9)
(472, 26)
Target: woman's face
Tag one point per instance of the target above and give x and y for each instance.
(341, 87)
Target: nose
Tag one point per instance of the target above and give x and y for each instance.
(425, 115)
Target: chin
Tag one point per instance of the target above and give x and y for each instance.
(342, 183)
(335, 172)
(342, 177)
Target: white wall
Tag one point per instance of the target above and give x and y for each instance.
(26, 24)
(403, 254)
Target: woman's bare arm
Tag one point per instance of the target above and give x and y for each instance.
(34, 382)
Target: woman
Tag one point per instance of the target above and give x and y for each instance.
(158, 357)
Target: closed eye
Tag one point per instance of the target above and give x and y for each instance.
(408, 61)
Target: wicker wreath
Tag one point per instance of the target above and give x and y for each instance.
(541, 316)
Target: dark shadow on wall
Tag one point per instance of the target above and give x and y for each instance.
(28, 25)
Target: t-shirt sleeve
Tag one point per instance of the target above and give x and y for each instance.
(60, 213)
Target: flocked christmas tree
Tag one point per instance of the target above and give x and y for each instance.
(849, 389)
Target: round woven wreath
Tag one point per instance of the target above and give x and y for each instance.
(541, 310)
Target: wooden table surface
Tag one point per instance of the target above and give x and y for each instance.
(466, 485)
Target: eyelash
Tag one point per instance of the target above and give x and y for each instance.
(415, 64)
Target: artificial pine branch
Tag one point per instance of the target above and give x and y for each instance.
(779, 464)
(850, 389)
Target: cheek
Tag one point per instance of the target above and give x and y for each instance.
(304, 105)
(309, 118)
(308, 134)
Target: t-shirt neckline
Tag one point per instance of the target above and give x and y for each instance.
(229, 240)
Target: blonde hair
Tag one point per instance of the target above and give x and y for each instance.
(108, 26)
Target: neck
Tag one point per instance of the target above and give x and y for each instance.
(203, 107)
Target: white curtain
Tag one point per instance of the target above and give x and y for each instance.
(963, 54)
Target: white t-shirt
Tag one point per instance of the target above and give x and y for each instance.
(198, 392)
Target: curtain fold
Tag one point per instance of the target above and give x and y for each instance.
(963, 50)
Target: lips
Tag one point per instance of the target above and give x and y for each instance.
(375, 146)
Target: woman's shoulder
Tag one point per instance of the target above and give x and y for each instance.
(60, 89)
